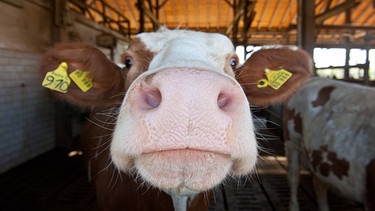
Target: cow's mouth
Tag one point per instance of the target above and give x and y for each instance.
(184, 171)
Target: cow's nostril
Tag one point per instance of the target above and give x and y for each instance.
(223, 100)
(153, 98)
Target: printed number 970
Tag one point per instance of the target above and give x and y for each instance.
(58, 84)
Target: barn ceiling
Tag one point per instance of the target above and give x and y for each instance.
(338, 22)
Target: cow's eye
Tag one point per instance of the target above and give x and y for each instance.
(128, 62)
(233, 62)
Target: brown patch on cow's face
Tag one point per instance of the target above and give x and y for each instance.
(370, 185)
(141, 58)
(338, 167)
(323, 96)
(230, 64)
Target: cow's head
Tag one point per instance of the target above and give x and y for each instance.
(184, 123)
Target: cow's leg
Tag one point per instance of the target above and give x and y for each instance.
(292, 152)
(321, 194)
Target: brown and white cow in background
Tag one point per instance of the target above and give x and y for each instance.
(329, 128)
(173, 119)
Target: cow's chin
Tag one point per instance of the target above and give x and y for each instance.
(183, 172)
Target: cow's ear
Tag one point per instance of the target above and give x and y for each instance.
(102, 81)
(272, 75)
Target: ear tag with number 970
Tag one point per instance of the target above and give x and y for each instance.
(58, 79)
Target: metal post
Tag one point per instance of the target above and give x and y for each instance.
(347, 47)
(366, 76)
(63, 124)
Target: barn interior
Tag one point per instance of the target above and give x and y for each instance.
(40, 160)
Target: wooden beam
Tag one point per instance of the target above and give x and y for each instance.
(173, 4)
(336, 27)
(106, 19)
(286, 13)
(263, 14)
(274, 13)
(162, 4)
(231, 5)
(238, 13)
(92, 24)
(186, 15)
(248, 16)
(196, 12)
(132, 15)
(152, 17)
(335, 10)
(366, 11)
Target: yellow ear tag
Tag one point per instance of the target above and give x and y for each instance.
(276, 78)
(58, 79)
(81, 79)
(262, 83)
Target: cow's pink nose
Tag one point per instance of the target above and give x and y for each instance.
(182, 86)
(187, 109)
(152, 99)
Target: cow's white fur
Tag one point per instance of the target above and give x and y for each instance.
(345, 124)
(184, 48)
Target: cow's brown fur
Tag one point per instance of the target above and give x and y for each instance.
(336, 166)
(323, 96)
(108, 78)
(297, 62)
(141, 59)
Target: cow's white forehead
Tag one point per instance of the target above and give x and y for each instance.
(155, 41)
(186, 48)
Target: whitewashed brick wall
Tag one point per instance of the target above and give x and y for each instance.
(27, 126)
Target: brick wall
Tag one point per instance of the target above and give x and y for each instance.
(27, 126)
(26, 110)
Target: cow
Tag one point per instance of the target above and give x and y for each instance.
(168, 126)
(328, 127)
